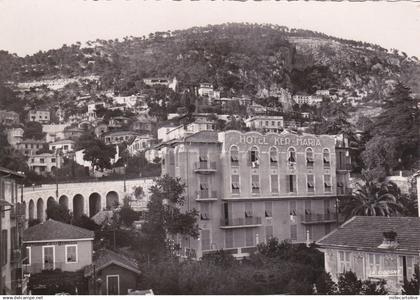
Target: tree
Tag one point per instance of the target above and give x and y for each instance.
(380, 156)
(9, 157)
(372, 199)
(59, 213)
(399, 121)
(412, 287)
(164, 216)
(349, 284)
(96, 151)
(33, 130)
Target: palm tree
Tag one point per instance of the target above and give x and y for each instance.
(374, 199)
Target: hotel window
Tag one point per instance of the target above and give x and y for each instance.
(203, 157)
(309, 158)
(291, 157)
(41, 160)
(204, 190)
(27, 256)
(249, 237)
(326, 158)
(229, 238)
(268, 209)
(205, 211)
(268, 232)
(327, 183)
(205, 239)
(248, 210)
(310, 183)
(274, 183)
(273, 157)
(255, 183)
(71, 253)
(291, 183)
(234, 156)
(344, 263)
(253, 156)
(53, 160)
(308, 207)
(374, 263)
(235, 184)
(293, 232)
(292, 209)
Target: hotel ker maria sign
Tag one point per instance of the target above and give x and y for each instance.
(287, 140)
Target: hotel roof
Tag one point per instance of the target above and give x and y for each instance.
(366, 233)
(53, 230)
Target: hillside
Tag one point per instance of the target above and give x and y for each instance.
(239, 59)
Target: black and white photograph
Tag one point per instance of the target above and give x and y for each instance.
(209, 148)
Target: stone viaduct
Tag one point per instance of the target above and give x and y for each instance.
(82, 197)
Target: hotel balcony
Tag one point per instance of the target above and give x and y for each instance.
(205, 167)
(206, 195)
(319, 218)
(240, 222)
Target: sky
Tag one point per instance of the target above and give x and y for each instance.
(27, 26)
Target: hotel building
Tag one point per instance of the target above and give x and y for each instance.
(250, 186)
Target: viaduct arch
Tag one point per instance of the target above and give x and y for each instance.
(82, 198)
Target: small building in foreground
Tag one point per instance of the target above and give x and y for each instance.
(374, 248)
(112, 273)
(55, 245)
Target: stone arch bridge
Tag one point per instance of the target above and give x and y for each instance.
(82, 197)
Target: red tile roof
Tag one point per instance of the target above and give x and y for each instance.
(54, 230)
(367, 233)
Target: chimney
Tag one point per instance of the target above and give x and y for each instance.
(389, 241)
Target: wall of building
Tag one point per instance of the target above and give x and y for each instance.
(84, 256)
(128, 279)
(371, 265)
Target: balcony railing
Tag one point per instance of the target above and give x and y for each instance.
(319, 218)
(206, 195)
(205, 167)
(240, 222)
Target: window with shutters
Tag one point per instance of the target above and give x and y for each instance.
(234, 156)
(374, 264)
(292, 210)
(235, 184)
(205, 239)
(229, 238)
(255, 184)
(268, 209)
(310, 184)
(274, 183)
(205, 211)
(326, 158)
(291, 183)
(344, 261)
(309, 158)
(204, 188)
(248, 210)
(291, 156)
(273, 157)
(327, 183)
(254, 157)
